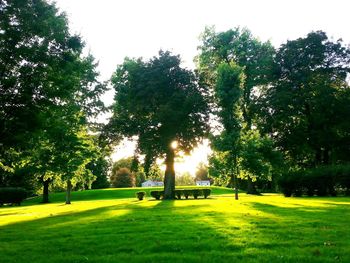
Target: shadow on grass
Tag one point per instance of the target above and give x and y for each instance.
(175, 231)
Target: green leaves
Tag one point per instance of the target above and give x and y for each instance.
(159, 102)
(305, 107)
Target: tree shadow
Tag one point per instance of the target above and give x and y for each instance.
(174, 231)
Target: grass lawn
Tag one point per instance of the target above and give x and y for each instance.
(109, 226)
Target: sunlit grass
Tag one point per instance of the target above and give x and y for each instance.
(267, 228)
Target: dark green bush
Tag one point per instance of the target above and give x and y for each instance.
(187, 193)
(197, 192)
(12, 195)
(140, 195)
(290, 183)
(320, 181)
(206, 192)
(157, 194)
(179, 193)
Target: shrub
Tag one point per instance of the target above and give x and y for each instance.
(178, 193)
(322, 181)
(206, 192)
(196, 193)
(187, 193)
(140, 195)
(290, 183)
(12, 195)
(157, 194)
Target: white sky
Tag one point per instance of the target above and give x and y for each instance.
(114, 29)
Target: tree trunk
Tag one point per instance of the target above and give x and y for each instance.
(69, 189)
(169, 178)
(46, 191)
(235, 175)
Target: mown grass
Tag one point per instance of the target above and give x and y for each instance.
(95, 228)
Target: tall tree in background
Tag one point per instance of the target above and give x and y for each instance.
(307, 108)
(228, 91)
(159, 102)
(45, 84)
(253, 56)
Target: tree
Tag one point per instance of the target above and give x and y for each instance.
(201, 172)
(99, 167)
(253, 56)
(160, 103)
(228, 92)
(46, 85)
(184, 179)
(306, 109)
(123, 177)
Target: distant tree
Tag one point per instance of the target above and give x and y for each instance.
(220, 168)
(123, 178)
(184, 179)
(122, 163)
(159, 102)
(201, 172)
(155, 173)
(99, 167)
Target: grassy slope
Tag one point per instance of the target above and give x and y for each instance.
(104, 226)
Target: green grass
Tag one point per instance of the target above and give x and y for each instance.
(109, 226)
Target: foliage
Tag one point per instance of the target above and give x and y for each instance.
(306, 108)
(49, 90)
(322, 181)
(184, 179)
(196, 193)
(159, 102)
(123, 178)
(179, 193)
(187, 193)
(236, 66)
(140, 195)
(201, 172)
(12, 195)
(206, 192)
(99, 167)
(157, 194)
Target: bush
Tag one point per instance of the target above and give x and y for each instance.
(178, 193)
(187, 193)
(140, 195)
(12, 195)
(290, 183)
(196, 193)
(157, 194)
(206, 192)
(320, 181)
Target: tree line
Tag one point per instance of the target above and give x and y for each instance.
(267, 111)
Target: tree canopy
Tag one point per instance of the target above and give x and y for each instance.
(159, 102)
(49, 90)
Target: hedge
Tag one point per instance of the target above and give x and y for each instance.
(140, 195)
(320, 181)
(186, 193)
(12, 195)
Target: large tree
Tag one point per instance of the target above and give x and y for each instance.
(46, 85)
(255, 58)
(159, 102)
(307, 108)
